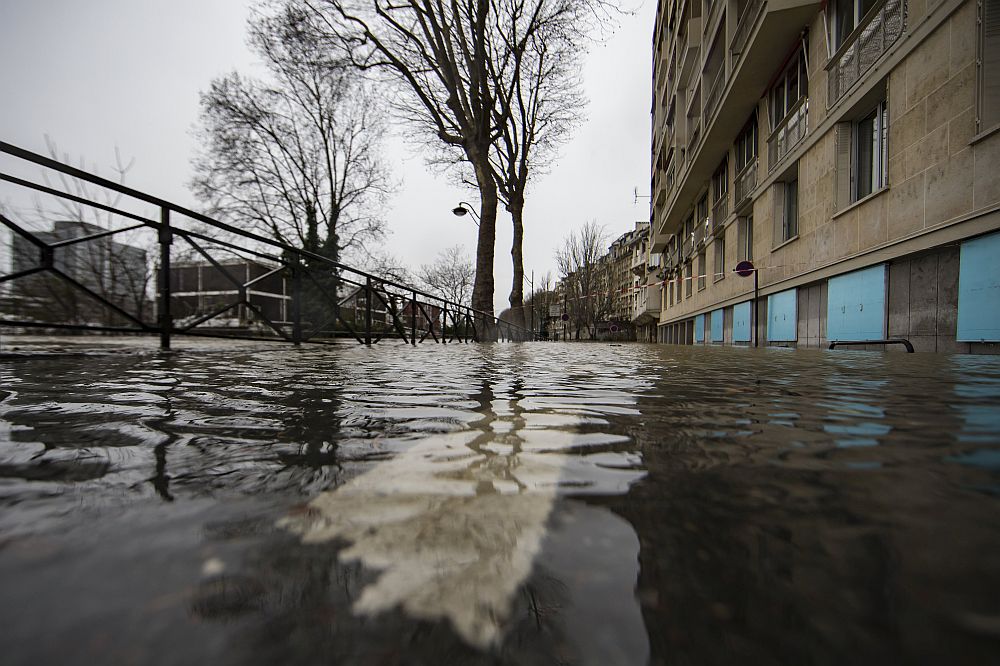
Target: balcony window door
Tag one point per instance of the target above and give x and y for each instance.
(847, 15)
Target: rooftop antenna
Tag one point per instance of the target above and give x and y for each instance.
(636, 196)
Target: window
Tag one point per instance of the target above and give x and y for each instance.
(988, 115)
(862, 154)
(720, 259)
(786, 210)
(701, 270)
(847, 15)
(701, 220)
(792, 86)
(746, 144)
(744, 239)
(687, 280)
(720, 194)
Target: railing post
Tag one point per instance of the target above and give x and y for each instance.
(413, 319)
(368, 311)
(444, 323)
(165, 238)
(296, 301)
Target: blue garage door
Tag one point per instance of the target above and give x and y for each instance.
(741, 322)
(856, 305)
(699, 328)
(979, 290)
(717, 326)
(781, 323)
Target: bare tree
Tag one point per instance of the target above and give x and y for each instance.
(296, 157)
(536, 70)
(584, 275)
(436, 54)
(451, 276)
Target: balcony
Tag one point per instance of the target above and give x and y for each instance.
(878, 30)
(690, 45)
(744, 26)
(720, 212)
(647, 305)
(766, 32)
(744, 184)
(714, 95)
(788, 134)
(693, 137)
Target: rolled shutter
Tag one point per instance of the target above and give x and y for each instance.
(842, 165)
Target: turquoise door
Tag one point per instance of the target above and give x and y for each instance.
(699, 328)
(979, 290)
(855, 307)
(741, 322)
(717, 326)
(781, 322)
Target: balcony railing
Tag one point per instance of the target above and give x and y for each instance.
(688, 246)
(720, 211)
(788, 134)
(714, 95)
(745, 182)
(879, 30)
(693, 139)
(745, 25)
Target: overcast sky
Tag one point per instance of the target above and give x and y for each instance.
(97, 74)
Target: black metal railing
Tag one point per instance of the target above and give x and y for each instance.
(179, 272)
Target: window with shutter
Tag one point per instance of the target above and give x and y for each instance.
(989, 65)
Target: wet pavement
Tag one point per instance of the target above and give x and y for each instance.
(536, 503)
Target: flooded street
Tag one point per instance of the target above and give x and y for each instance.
(537, 503)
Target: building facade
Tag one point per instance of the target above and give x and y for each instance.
(848, 150)
(116, 272)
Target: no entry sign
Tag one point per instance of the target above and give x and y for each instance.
(744, 269)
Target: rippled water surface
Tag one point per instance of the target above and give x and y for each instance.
(508, 504)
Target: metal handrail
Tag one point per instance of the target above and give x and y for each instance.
(889, 341)
(165, 230)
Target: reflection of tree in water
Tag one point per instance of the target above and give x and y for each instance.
(437, 547)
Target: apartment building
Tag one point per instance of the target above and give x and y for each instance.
(849, 150)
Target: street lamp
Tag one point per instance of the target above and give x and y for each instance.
(462, 208)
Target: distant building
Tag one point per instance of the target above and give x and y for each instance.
(848, 150)
(200, 288)
(114, 271)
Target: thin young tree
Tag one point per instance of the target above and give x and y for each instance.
(584, 276)
(538, 47)
(297, 156)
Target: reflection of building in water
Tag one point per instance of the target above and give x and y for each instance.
(115, 271)
(455, 525)
(199, 288)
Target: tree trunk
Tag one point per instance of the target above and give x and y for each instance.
(516, 252)
(482, 289)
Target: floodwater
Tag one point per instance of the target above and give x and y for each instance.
(537, 503)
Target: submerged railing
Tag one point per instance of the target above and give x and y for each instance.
(185, 273)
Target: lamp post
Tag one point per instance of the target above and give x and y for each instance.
(464, 207)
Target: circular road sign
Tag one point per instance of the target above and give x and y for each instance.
(744, 269)
(565, 317)
(614, 329)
